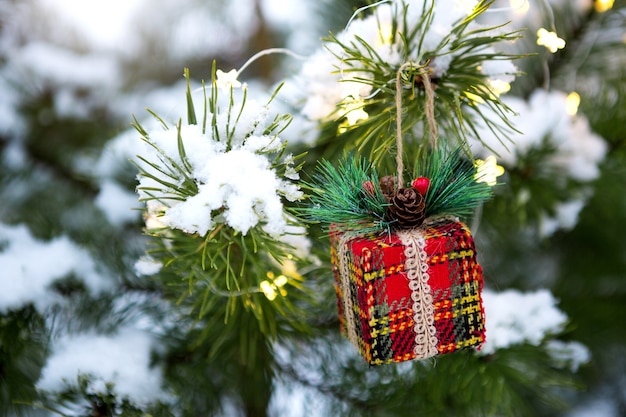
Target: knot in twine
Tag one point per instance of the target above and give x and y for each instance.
(424, 75)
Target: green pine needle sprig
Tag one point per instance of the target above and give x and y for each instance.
(349, 195)
(339, 196)
(453, 188)
(465, 96)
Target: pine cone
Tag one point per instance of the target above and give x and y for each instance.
(407, 208)
(388, 186)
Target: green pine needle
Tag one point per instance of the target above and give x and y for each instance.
(339, 197)
(349, 195)
(453, 188)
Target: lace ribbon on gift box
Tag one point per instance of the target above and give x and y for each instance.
(416, 269)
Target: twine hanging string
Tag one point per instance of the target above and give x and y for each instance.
(429, 110)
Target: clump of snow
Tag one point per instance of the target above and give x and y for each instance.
(232, 164)
(30, 266)
(565, 217)
(119, 205)
(122, 359)
(568, 354)
(65, 67)
(147, 265)
(513, 318)
(573, 151)
(543, 121)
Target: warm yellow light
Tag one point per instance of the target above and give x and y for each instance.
(355, 115)
(550, 40)
(269, 290)
(572, 102)
(474, 97)
(499, 87)
(488, 170)
(602, 6)
(154, 222)
(520, 7)
(290, 269)
(280, 281)
(352, 109)
(154, 216)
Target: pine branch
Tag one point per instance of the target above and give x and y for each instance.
(462, 91)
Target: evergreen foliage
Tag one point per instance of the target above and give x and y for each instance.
(464, 93)
(244, 323)
(350, 196)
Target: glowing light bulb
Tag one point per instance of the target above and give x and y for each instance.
(550, 40)
(572, 102)
(155, 215)
(499, 87)
(488, 170)
(520, 7)
(280, 281)
(268, 290)
(227, 80)
(474, 97)
(353, 111)
(602, 6)
(273, 288)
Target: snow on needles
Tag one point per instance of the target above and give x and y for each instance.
(543, 121)
(571, 151)
(234, 164)
(30, 267)
(122, 359)
(514, 318)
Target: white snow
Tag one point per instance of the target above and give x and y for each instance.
(103, 24)
(49, 63)
(146, 265)
(119, 205)
(565, 218)
(78, 82)
(232, 165)
(122, 359)
(30, 266)
(568, 354)
(575, 151)
(513, 318)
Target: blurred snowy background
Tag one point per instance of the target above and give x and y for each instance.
(72, 72)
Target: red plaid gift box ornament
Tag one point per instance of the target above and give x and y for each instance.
(407, 280)
(411, 294)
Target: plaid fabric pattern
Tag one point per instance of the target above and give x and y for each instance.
(376, 303)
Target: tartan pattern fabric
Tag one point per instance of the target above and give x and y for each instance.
(391, 317)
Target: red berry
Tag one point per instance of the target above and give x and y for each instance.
(421, 184)
(369, 187)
